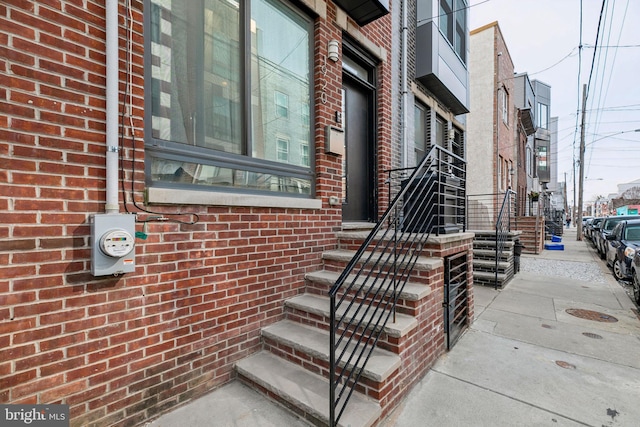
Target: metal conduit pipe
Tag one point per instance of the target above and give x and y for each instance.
(405, 85)
(112, 205)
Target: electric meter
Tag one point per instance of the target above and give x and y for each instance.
(116, 243)
(113, 244)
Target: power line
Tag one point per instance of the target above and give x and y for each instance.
(604, 2)
(452, 12)
(588, 46)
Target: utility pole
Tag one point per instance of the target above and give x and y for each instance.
(564, 193)
(579, 218)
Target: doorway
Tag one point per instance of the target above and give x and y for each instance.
(358, 107)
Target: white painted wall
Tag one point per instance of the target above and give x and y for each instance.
(480, 141)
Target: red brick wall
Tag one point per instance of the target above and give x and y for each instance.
(122, 350)
(504, 77)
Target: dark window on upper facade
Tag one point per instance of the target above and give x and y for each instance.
(453, 24)
(505, 106)
(422, 132)
(448, 137)
(228, 84)
(543, 116)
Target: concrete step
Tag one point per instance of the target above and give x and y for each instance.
(342, 255)
(411, 291)
(306, 392)
(485, 275)
(491, 234)
(314, 342)
(319, 306)
(364, 227)
(487, 254)
(483, 244)
(489, 264)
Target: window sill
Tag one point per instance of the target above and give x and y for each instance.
(167, 196)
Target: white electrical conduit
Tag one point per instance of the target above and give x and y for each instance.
(112, 205)
(405, 85)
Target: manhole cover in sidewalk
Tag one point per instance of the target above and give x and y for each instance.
(591, 315)
(565, 365)
(592, 335)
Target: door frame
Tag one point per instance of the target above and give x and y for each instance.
(356, 54)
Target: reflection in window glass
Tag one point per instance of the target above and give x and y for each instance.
(199, 174)
(282, 105)
(279, 64)
(305, 159)
(200, 78)
(283, 149)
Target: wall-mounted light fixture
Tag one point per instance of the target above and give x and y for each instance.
(332, 50)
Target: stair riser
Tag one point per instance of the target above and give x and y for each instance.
(319, 422)
(321, 322)
(426, 277)
(377, 390)
(403, 305)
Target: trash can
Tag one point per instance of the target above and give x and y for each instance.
(517, 251)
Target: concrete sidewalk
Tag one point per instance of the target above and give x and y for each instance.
(527, 361)
(524, 361)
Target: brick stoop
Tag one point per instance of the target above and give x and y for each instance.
(533, 233)
(293, 365)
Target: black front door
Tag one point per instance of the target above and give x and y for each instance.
(359, 175)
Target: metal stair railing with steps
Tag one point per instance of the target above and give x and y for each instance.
(503, 226)
(429, 198)
(494, 215)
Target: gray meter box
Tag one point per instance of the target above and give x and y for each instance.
(113, 244)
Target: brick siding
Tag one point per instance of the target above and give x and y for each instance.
(122, 350)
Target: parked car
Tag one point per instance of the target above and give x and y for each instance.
(607, 225)
(623, 242)
(593, 225)
(585, 219)
(635, 277)
(585, 227)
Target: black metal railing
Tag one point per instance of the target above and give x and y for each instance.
(426, 199)
(483, 210)
(553, 228)
(503, 227)
(456, 296)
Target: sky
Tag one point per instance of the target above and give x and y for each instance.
(543, 38)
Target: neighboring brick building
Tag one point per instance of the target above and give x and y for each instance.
(224, 157)
(492, 129)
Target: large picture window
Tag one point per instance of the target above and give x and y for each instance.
(228, 82)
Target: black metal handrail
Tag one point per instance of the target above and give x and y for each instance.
(503, 227)
(427, 198)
